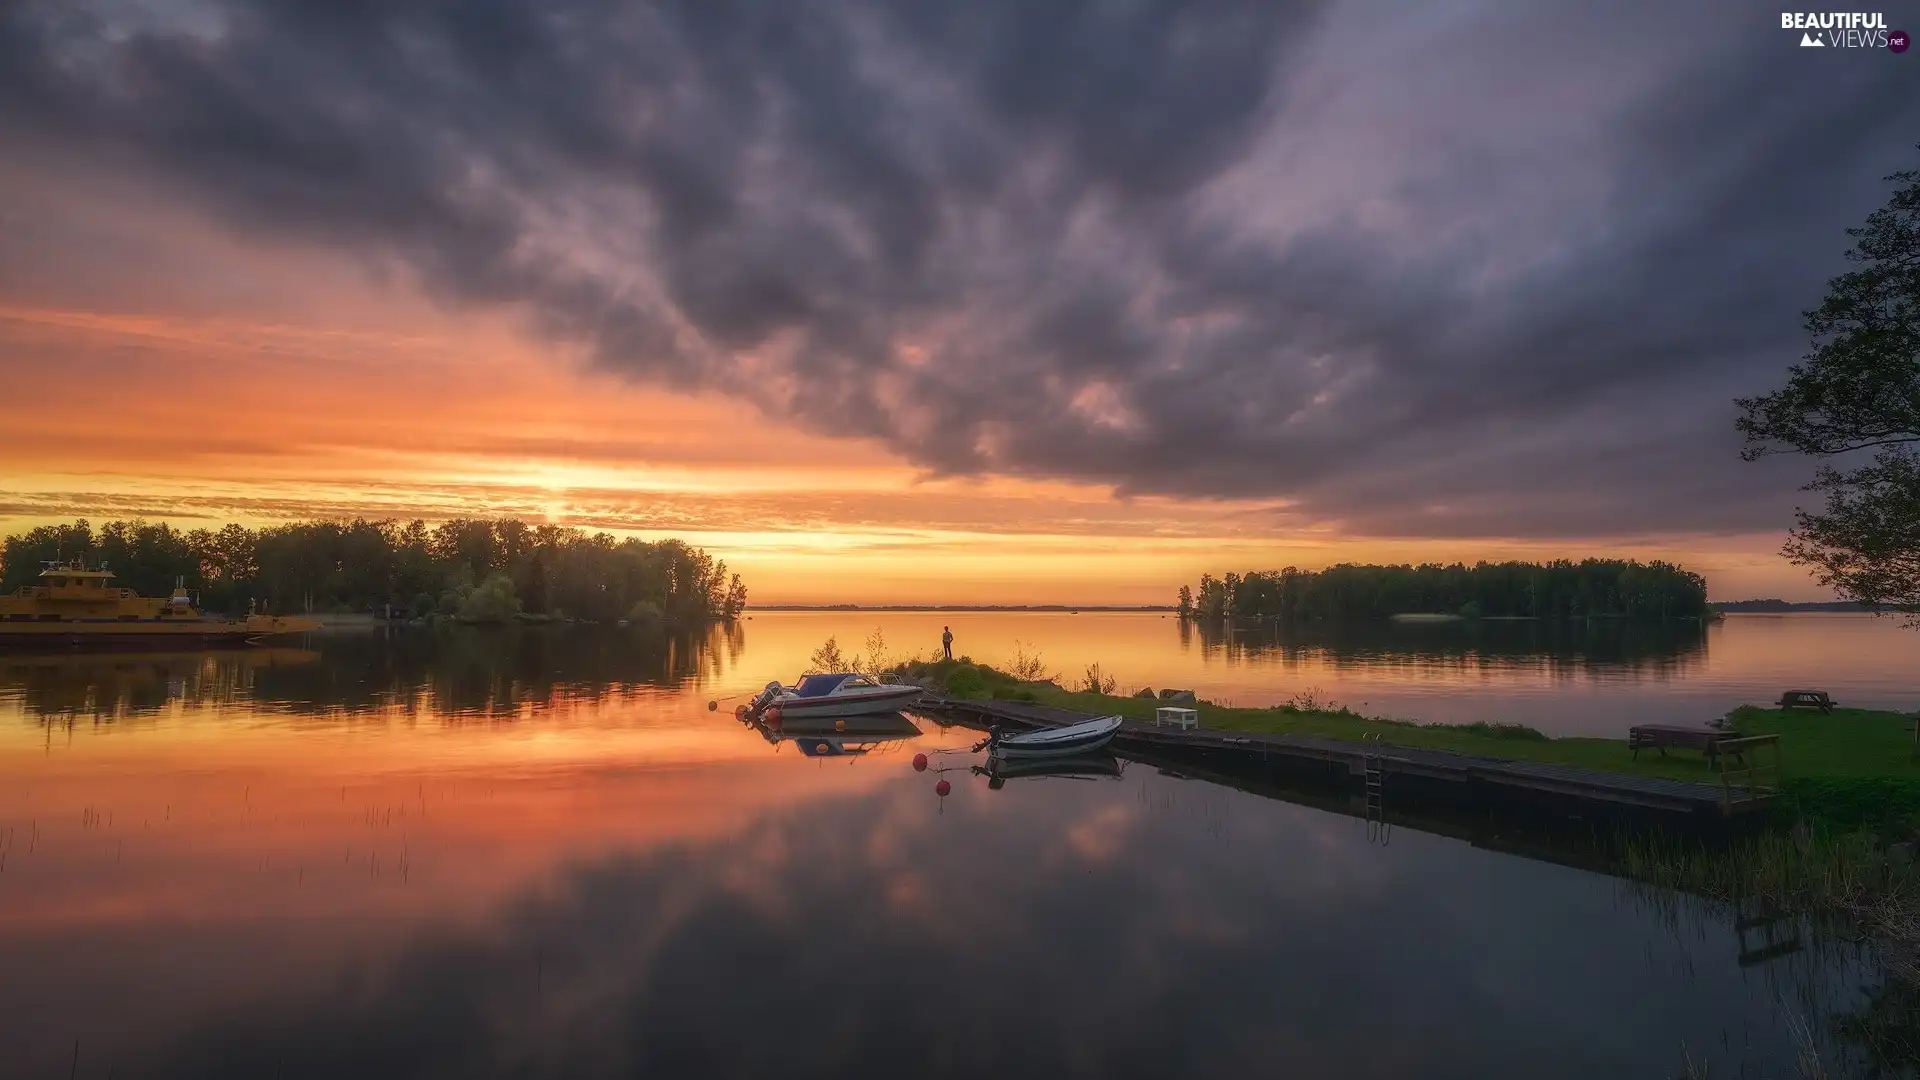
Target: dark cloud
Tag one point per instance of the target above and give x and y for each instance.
(1468, 270)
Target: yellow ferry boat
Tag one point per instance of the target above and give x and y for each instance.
(75, 606)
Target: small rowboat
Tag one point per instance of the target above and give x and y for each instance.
(1055, 742)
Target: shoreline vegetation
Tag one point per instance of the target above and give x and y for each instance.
(466, 570)
(1775, 606)
(1044, 608)
(1839, 851)
(1562, 589)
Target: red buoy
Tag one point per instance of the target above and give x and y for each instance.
(942, 788)
(713, 706)
(919, 763)
(739, 712)
(839, 725)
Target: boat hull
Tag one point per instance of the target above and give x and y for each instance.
(1059, 742)
(886, 700)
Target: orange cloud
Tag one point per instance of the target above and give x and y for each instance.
(206, 419)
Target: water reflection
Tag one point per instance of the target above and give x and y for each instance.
(1661, 650)
(1153, 926)
(464, 673)
(269, 874)
(1098, 765)
(852, 736)
(1563, 678)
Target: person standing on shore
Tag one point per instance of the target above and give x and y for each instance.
(946, 641)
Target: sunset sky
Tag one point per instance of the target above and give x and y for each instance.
(995, 302)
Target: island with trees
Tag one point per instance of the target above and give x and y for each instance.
(1562, 589)
(470, 569)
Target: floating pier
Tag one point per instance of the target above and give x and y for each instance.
(1405, 774)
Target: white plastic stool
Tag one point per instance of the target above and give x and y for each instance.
(1178, 717)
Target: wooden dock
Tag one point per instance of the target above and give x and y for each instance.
(1410, 774)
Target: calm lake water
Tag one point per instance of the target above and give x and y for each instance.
(538, 854)
(1563, 678)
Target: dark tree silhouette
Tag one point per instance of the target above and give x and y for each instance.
(1858, 390)
(371, 565)
(1555, 590)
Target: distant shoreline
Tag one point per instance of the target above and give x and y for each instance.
(1762, 606)
(1068, 608)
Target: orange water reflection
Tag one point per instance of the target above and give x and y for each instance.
(543, 855)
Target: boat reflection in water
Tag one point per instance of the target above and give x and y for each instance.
(1092, 765)
(846, 736)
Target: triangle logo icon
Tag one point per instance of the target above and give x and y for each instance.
(1808, 41)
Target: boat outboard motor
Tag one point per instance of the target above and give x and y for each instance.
(992, 740)
(765, 698)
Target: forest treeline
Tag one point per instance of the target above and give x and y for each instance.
(1559, 589)
(482, 570)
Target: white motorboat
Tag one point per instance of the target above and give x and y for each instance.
(1055, 742)
(840, 693)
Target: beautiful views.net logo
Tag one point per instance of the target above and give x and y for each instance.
(1844, 30)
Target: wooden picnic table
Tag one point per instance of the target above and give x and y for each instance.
(1661, 736)
(1807, 699)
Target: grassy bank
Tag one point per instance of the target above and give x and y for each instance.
(1852, 767)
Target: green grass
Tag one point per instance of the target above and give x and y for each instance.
(1849, 767)
(1482, 739)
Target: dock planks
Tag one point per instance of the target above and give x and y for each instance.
(1463, 777)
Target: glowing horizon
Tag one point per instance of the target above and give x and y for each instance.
(474, 421)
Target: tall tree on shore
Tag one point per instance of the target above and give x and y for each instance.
(1858, 390)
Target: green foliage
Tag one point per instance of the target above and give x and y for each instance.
(492, 601)
(1505, 732)
(368, 565)
(828, 658)
(1859, 388)
(645, 613)
(1865, 544)
(1028, 665)
(1874, 802)
(876, 659)
(1559, 589)
(967, 681)
(1311, 700)
(1097, 681)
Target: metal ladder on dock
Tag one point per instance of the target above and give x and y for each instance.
(1379, 829)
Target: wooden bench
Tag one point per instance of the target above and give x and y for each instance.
(1807, 699)
(1661, 736)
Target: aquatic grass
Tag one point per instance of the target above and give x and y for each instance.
(1838, 881)
(1813, 871)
